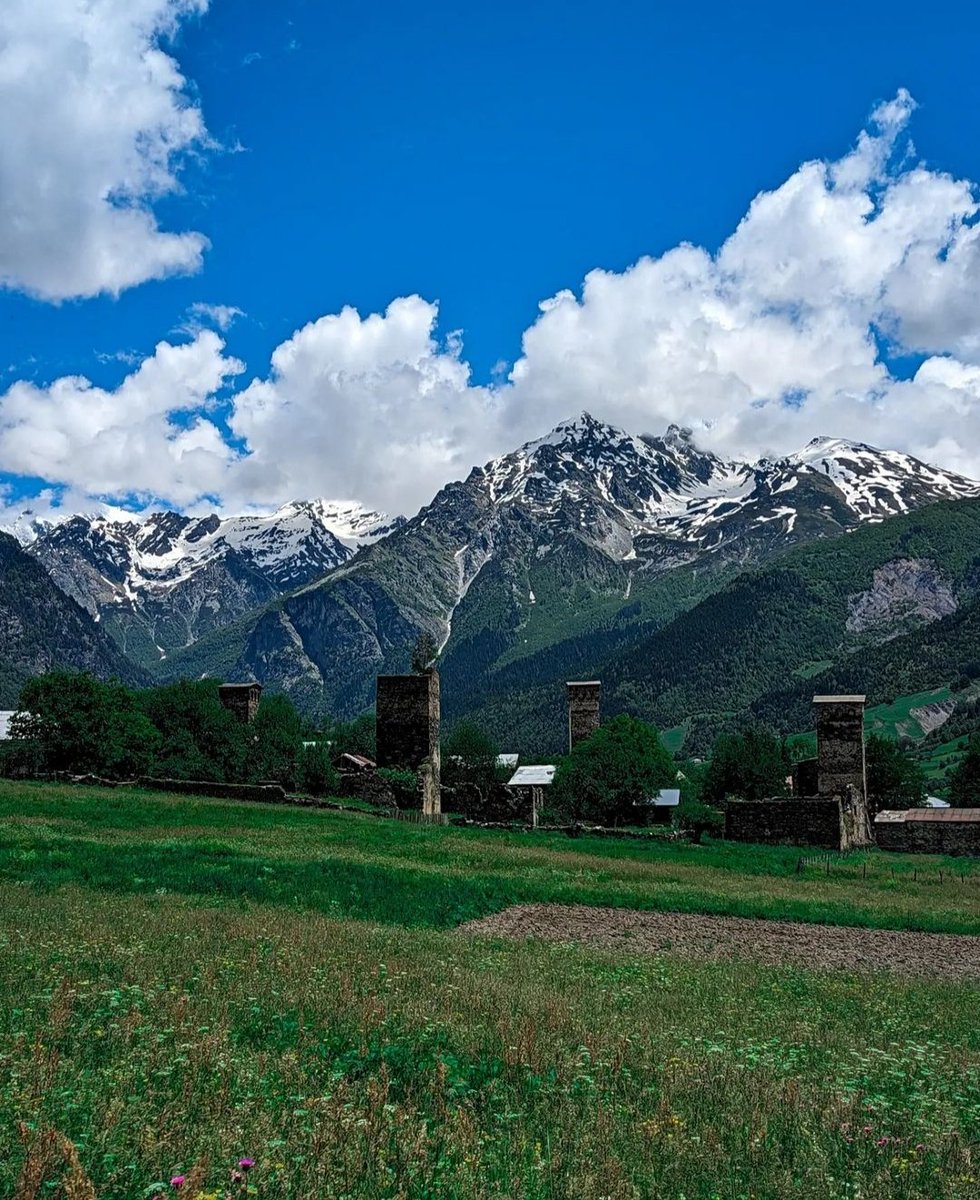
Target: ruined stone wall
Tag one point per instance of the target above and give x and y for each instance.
(407, 711)
(927, 837)
(814, 822)
(583, 710)
(840, 745)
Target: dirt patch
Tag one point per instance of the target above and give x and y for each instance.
(773, 943)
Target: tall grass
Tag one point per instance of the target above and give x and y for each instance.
(357, 1060)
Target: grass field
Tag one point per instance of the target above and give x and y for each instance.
(189, 982)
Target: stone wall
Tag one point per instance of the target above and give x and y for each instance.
(497, 804)
(407, 711)
(805, 778)
(583, 710)
(812, 822)
(270, 793)
(929, 837)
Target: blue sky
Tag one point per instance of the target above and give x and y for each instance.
(484, 157)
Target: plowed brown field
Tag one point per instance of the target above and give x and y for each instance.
(774, 943)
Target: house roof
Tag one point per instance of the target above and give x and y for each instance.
(359, 760)
(539, 776)
(839, 699)
(929, 816)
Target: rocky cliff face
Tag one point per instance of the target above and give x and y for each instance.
(160, 584)
(905, 593)
(42, 629)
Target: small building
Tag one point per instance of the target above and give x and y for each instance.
(929, 830)
(661, 805)
(352, 762)
(531, 782)
(6, 716)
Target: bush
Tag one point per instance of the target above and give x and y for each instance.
(698, 819)
(469, 755)
(404, 784)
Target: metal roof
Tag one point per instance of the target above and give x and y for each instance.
(951, 816)
(584, 683)
(839, 699)
(5, 715)
(532, 777)
(943, 814)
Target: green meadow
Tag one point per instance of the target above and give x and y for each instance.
(187, 983)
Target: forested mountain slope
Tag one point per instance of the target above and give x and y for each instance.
(41, 628)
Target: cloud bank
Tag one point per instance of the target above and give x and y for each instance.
(797, 326)
(95, 121)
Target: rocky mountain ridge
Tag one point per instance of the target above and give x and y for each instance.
(161, 582)
(586, 534)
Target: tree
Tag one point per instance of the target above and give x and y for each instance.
(964, 782)
(198, 737)
(749, 766)
(276, 735)
(354, 737)
(608, 777)
(424, 654)
(895, 779)
(83, 725)
(469, 755)
(315, 773)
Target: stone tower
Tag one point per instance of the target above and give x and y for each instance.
(583, 710)
(840, 745)
(407, 710)
(242, 699)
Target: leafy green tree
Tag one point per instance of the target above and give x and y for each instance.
(276, 741)
(198, 737)
(83, 725)
(895, 779)
(964, 782)
(607, 777)
(469, 755)
(315, 773)
(354, 737)
(746, 766)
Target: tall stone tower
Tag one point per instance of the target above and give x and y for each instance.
(583, 710)
(840, 745)
(408, 715)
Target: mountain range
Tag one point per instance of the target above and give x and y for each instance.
(587, 551)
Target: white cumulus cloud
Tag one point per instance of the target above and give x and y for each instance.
(95, 120)
(150, 438)
(792, 328)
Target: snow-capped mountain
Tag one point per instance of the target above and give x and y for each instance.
(574, 535)
(586, 533)
(663, 497)
(163, 581)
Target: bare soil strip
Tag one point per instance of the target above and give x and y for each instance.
(773, 943)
